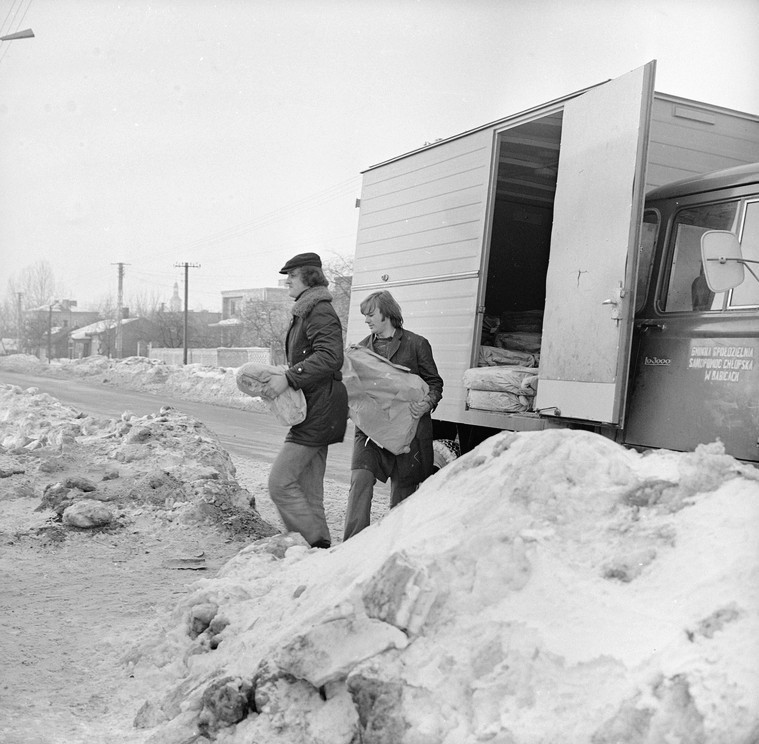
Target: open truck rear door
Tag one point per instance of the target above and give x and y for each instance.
(588, 319)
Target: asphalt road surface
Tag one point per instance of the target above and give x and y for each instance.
(242, 433)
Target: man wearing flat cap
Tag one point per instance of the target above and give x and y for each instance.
(314, 348)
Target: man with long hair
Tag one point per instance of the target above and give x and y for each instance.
(314, 349)
(370, 462)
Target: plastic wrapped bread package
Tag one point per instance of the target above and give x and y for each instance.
(506, 389)
(289, 408)
(379, 394)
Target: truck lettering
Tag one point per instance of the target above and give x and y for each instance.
(656, 361)
(701, 363)
(722, 376)
(722, 363)
(747, 364)
(700, 350)
(733, 351)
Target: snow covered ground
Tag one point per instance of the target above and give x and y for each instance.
(546, 588)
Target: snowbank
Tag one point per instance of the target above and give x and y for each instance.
(196, 382)
(548, 587)
(167, 461)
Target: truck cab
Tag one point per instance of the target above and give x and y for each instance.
(695, 355)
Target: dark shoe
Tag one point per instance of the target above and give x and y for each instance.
(322, 544)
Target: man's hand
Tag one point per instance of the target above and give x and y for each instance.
(418, 409)
(276, 385)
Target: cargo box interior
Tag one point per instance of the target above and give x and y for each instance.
(520, 237)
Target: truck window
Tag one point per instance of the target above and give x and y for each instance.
(686, 290)
(648, 234)
(747, 293)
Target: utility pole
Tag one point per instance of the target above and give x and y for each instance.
(187, 266)
(119, 313)
(50, 329)
(20, 324)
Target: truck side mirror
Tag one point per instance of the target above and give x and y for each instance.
(722, 260)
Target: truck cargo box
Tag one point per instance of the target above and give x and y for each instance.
(522, 235)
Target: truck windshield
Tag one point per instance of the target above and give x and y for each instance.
(687, 289)
(747, 294)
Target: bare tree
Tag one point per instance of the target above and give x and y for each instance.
(144, 304)
(35, 332)
(32, 288)
(36, 283)
(169, 329)
(9, 319)
(339, 271)
(265, 323)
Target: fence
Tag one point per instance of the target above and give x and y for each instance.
(221, 357)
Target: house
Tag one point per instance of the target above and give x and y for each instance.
(100, 338)
(46, 328)
(61, 314)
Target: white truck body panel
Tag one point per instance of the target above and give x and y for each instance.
(421, 228)
(426, 224)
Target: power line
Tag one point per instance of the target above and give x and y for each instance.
(151, 276)
(314, 200)
(331, 192)
(7, 21)
(317, 199)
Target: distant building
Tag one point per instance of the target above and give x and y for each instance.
(175, 304)
(61, 315)
(99, 338)
(232, 300)
(47, 327)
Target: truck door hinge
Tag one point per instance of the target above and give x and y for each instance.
(616, 302)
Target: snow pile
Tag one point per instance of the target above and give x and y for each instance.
(547, 587)
(92, 468)
(22, 363)
(190, 382)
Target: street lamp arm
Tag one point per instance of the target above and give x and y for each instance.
(27, 33)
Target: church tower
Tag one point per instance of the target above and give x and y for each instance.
(175, 304)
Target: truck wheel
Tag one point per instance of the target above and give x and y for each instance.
(443, 452)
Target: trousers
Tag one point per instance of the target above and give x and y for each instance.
(296, 486)
(358, 513)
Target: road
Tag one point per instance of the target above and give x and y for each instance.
(242, 433)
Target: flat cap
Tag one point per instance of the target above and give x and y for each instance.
(302, 259)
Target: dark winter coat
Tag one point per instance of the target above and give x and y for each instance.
(414, 352)
(314, 348)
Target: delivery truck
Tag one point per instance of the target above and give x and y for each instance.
(588, 263)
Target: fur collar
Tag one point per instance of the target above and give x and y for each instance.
(308, 300)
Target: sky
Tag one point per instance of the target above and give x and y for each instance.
(231, 134)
